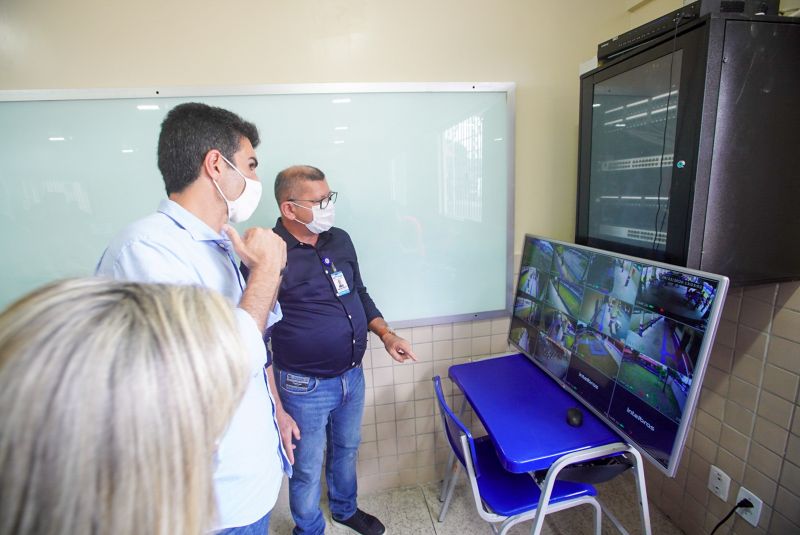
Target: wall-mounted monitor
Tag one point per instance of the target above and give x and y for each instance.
(629, 338)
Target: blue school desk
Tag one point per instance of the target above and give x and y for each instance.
(524, 413)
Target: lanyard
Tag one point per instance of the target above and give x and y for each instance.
(239, 277)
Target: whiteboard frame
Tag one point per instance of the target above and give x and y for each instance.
(509, 88)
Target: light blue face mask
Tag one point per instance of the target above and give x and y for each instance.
(322, 218)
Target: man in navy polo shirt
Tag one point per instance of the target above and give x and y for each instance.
(318, 349)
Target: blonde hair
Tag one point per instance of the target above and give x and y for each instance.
(112, 396)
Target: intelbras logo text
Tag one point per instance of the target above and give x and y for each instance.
(642, 420)
(591, 383)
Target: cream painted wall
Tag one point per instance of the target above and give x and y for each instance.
(651, 10)
(97, 43)
(748, 421)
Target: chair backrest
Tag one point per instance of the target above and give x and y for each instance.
(454, 428)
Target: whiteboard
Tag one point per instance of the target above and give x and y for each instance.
(424, 173)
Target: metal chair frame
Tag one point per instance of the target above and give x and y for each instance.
(537, 510)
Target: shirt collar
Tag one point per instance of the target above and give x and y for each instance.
(291, 241)
(185, 219)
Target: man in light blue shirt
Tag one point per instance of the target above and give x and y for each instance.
(207, 158)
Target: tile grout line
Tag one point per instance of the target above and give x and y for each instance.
(428, 507)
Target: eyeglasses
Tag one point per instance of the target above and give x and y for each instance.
(323, 203)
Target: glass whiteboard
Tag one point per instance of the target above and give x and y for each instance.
(424, 174)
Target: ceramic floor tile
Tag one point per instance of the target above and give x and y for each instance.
(402, 511)
(462, 517)
(618, 495)
(415, 511)
(281, 520)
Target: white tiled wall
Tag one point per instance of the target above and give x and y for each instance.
(747, 422)
(401, 439)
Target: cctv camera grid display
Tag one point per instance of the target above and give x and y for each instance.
(626, 336)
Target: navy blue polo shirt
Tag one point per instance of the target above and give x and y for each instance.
(321, 334)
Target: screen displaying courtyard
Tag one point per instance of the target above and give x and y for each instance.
(629, 337)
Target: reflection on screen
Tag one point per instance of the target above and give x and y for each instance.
(624, 334)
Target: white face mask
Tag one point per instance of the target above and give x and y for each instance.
(323, 218)
(242, 208)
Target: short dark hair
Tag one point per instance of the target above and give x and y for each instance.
(286, 180)
(188, 132)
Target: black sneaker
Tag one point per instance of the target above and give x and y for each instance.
(363, 523)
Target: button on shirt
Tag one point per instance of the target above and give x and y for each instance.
(174, 246)
(321, 334)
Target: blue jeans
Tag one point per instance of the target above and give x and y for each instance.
(259, 527)
(326, 411)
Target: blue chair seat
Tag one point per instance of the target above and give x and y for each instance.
(510, 494)
(501, 496)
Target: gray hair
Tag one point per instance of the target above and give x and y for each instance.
(112, 397)
(286, 181)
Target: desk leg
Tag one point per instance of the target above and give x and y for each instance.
(593, 453)
(447, 474)
(613, 519)
(461, 409)
(451, 458)
(449, 487)
(641, 487)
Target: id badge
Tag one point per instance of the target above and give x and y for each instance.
(339, 283)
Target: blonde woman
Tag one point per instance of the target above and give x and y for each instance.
(112, 397)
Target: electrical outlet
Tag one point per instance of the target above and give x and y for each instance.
(719, 483)
(751, 514)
